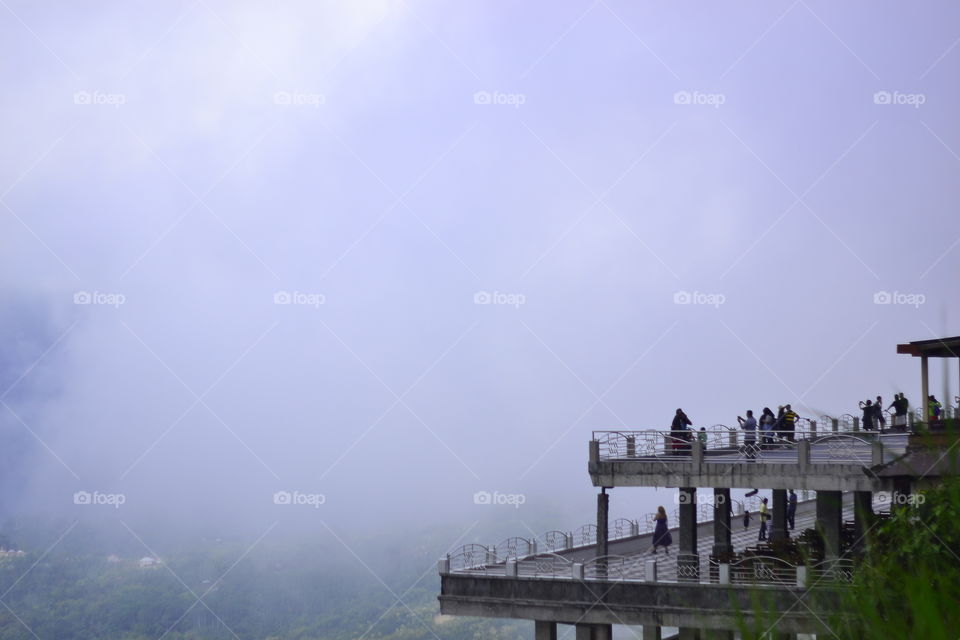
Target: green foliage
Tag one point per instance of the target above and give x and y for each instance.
(909, 584)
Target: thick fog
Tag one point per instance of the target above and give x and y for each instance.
(383, 256)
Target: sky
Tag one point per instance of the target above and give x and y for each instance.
(371, 258)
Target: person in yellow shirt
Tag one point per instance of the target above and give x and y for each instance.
(764, 516)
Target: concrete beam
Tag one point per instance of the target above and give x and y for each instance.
(735, 475)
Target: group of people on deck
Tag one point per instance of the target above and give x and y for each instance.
(758, 434)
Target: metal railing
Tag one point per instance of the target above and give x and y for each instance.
(781, 446)
(471, 557)
(554, 541)
(763, 570)
(749, 570)
(514, 547)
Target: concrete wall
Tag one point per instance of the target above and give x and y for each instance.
(704, 606)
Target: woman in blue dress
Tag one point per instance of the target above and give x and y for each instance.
(661, 533)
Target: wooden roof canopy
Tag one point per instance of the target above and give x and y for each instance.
(935, 348)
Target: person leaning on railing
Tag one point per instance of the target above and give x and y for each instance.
(680, 434)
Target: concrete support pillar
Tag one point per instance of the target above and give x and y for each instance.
(652, 632)
(594, 632)
(862, 517)
(688, 634)
(778, 530)
(803, 455)
(544, 630)
(901, 493)
(603, 529)
(721, 522)
(830, 521)
(925, 388)
(688, 562)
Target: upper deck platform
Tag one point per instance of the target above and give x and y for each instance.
(811, 459)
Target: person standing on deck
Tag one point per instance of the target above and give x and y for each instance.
(679, 432)
(764, 516)
(933, 408)
(661, 533)
(867, 418)
(791, 508)
(878, 419)
(749, 427)
(767, 420)
(790, 418)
